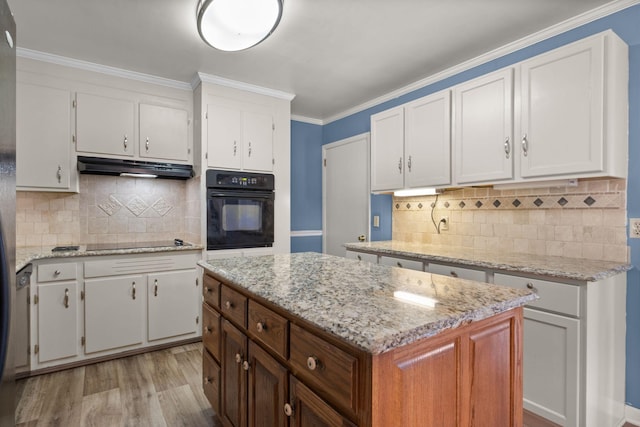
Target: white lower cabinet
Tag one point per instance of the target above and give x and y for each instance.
(57, 312)
(113, 312)
(89, 307)
(171, 308)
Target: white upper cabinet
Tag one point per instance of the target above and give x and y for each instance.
(239, 137)
(104, 125)
(411, 144)
(44, 147)
(482, 137)
(571, 99)
(164, 132)
(427, 141)
(387, 150)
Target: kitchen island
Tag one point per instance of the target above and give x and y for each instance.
(332, 341)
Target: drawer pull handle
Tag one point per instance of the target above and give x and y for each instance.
(399, 264)
(530, 286)
(207, 330)
(245, 365)
(207, 380)
(359, 258)
(228, 304)
(207, 289)
(155, 288)
(312, 363)
(238, 358)
(133, 293)
(288, 409)
(260, 326)
(66, 298)
(453, 274)
(56, 273)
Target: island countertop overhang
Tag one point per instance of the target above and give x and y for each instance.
(355, 301)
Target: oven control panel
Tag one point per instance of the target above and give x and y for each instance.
(240, 180)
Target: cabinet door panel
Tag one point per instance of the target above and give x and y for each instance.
(562, 111)
(428, 141)
(483, 124)
(551, 366)
(113, 312)
(172, 304)
(387, 150)
(233, 405)
(258, 141)
(104, 125)
(224, 137)
(211, 330)
(43, 137)
(268, 389)
(311, 411)
(164, 133)
(57, 321)
(211, 380)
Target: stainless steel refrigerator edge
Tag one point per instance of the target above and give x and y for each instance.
(7, 210)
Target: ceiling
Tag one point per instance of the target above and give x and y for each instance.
(334, 55)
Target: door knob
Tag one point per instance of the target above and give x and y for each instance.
(362, 238)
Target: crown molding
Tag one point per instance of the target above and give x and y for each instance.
(210, 78)
(309, 120)
(99, 68)
(562, 27)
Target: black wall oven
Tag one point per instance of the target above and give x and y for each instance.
(239, 209)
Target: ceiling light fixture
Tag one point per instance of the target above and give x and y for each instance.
(233, 25)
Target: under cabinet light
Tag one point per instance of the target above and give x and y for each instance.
(417, 192)
(138, 175)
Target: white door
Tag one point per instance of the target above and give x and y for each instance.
(345, 193)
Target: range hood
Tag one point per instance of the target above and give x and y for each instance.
(135, 168)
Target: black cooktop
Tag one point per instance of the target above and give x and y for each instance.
(135, 245)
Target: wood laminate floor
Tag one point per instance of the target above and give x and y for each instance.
(161, 388)
(157, 389)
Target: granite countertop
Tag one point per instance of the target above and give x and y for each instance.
(28, 254)
(355, 300)
(552, 266)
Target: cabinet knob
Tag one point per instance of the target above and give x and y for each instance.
(245, 365)
(400, 165)
(260, 326)
(288, 409)
(238, 358)
(155, 288)
(146, 144)
(312, 363)
(525, 145)
(59, 174)
(507, 148)
(530, 286)
(207, 330)
(453, 274)
(228, 305)
(207, 380)
(409, 164)
(125, 142)
(207, 289)
(133, 293)
(56, 273)
(66, 298)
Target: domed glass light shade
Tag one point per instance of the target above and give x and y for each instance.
(233, 25)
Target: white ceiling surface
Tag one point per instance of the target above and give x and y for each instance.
(333, 55)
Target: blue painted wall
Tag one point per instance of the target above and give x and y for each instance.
(309, 140)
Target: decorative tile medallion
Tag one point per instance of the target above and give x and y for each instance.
(516, 203)
(478, 204)
(589, 201)
(161, 206)
(137, 206)
(562, 201)
(496, 203)
(538, 202)
(111, 206)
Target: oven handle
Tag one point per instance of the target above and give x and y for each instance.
(242, 194)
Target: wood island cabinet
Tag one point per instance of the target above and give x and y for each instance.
(276, 369)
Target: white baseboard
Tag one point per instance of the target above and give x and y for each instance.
(632, 415)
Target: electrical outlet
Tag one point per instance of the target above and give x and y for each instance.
(444, 223)
(634, 228)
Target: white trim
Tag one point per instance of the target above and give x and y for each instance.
(632, 415)
(309, 120)
(99, 68)
(562, 27)
(210, 78)
(306, 233)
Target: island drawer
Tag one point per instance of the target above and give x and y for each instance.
(211, 291)
(558, 297)
(269, 328)
(462, 273)
(211, 330)
(56, 272)
(402, 263)
(233, 305)
(211, 380)
(333, 372)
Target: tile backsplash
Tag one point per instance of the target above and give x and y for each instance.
(109, 210)
(587, 221)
